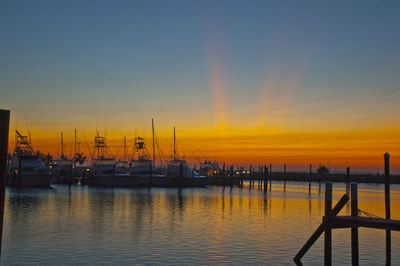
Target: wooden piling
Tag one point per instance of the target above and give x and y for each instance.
(180, 178)
(4, 128)
(284, 177)
(309, 183)
(354, 230)
(265, 178)
(151, 175)
(348, 181)
(387, 207)
(270, 176)
(328, 231)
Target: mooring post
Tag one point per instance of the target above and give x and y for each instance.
(151, 174)
(309, 183)
(354, 230)
(231, 177)
(387, 207)
(270, 176)
(265, 178)
(328, 230)
(284, 177)
(223, 174)
(348, 181)
(4, 127)
(180, 183)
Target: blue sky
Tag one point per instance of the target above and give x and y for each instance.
(133, 60)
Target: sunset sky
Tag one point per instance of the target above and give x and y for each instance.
(247, 82)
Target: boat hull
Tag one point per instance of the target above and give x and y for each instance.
(30, 180)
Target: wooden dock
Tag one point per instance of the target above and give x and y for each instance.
(332, 221)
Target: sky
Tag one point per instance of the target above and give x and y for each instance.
(246, 82)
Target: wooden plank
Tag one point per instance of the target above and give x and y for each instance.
(351, 221)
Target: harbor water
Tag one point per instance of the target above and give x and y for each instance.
(213, 225)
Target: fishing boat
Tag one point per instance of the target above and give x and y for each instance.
(26, 167)
(105, 170)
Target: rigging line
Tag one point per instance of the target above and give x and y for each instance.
(369, 214)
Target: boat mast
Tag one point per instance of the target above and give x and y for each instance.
(75, 141)
(154, 147)
(124, 148)
(62, 146)
(174, 145)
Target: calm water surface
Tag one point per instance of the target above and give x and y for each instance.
(212, 225)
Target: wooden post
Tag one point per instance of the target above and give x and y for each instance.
(270, 176)
(70, 176)
(354, 230)
(180, 183)
(114, 172)
(151, 174)
(19, 171)
(387, 207)
(231, 177)
(265, 178)
(309, 183)
(348, 180)
(328, 231)
(284, 177)
(4, 127)
(223, 174)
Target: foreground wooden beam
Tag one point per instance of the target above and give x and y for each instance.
(357, 221)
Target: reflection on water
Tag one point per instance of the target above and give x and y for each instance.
(215, 225)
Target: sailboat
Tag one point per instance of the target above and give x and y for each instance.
(63, 166)
(27, 168)
(183, 174)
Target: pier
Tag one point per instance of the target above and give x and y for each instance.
(332, 221)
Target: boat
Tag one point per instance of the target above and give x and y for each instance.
(63, 167)
(105, 170)
(183, 175)
(26, 167)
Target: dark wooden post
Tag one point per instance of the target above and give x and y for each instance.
(151, 175)
(309, 183)
(114, 172)
(348, 180)
(70, 176)
(231, 177)
(270, 176)
(265, 178)
(354, 230)
(223, 174)
(328, 231)
(284, 177)
(180, 183)
(19, 171)
(4, 127)
(387, 207)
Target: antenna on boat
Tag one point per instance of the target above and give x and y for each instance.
(174, 145)
(154, 144)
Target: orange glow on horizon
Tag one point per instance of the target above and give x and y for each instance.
(358, 149)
